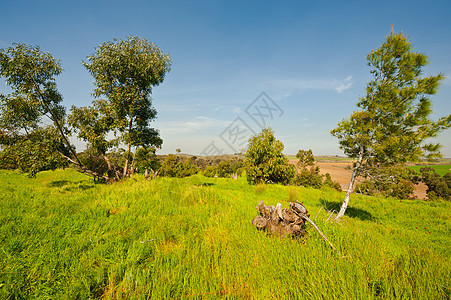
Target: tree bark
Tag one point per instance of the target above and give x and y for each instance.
(129, 147)
(355, 171)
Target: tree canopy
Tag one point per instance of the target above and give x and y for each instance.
(124, 71)
(265, 162)
(392, 124)
(28, 143)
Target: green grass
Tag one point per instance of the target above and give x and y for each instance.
(63, 237)
(439, 169)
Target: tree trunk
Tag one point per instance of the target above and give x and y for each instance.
(355, 171)
(130, 123)
(132, 167)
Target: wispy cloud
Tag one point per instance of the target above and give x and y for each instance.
(338, 85)
(184, 127)
(345, 84)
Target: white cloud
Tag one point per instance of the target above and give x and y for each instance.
(344, 84)
(311, 84)
(185, 127)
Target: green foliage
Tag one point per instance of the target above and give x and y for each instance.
(328, 182)
(438, 186)
(265, 162)
(146, 159)
(117, 157)
(37, 151)
(65, 237)
(175, 166)
(306, 158)
(93, 160)
(27, 143)
(93, 124)
(394, 122)
(390, 181)
(308, 175)
(210, 171)
(225, 168)
(124, 71)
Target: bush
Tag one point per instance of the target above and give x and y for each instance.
(93, 160)
(175, 166)
(265, 162)
(308, 175)
(389, 181)
(225, 168)
(438, 187)
(210, 171)
(332, 184)
(145, 158)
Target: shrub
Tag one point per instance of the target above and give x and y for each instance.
(175, 166)
(331, 183)
(265, 162)
(389, 181)
(39, 150)
(210, 171)
(145, 158)
(93, 160)
(438, 186)
(309, 177)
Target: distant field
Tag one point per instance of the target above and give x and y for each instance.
(64, 237)
(325, 158)
(439, 169)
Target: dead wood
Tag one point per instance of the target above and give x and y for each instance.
(280, 221)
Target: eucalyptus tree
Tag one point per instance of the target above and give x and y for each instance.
(125, 71)
(30, 74)
(393, 122)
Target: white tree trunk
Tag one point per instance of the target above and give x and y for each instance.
(355, 171)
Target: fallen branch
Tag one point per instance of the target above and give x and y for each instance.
(319, 231)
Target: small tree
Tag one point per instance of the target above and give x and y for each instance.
(393, 121)
(31, 75)
(308, 174)
(125, 73)
(265, 162)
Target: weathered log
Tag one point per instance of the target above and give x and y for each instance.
(280, 221)
(259, 222)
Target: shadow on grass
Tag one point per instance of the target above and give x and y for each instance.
(75, 184)
(205, 184)
(350, 211)
(59, 183)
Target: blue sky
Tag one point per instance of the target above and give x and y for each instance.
(308, 57)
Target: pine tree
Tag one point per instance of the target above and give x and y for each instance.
(392, 123)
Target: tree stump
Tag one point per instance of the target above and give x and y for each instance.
(280, 221)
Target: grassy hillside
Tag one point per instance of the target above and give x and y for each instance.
(62, 236)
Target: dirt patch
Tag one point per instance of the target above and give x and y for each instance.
(341, 172)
